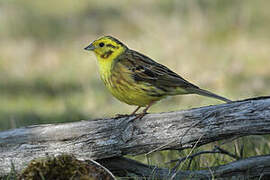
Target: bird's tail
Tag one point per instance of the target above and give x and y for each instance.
(208, 94)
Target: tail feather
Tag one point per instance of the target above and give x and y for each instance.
(208, 94)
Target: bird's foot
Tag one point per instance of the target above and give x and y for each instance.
(139, 116)
(117, 116)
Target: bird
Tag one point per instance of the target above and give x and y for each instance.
(136, 79)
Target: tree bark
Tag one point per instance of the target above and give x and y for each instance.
(114, 137)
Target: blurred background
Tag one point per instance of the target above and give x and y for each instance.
(47, 77)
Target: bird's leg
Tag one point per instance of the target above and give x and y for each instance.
(135, 110)
(125, 115)
(140, 116)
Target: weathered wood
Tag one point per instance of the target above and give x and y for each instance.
(253, 167)
(104, 138)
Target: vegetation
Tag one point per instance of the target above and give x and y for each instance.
(47, 77)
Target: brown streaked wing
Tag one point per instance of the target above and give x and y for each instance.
(145, 69)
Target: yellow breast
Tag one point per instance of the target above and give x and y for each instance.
(124, 88)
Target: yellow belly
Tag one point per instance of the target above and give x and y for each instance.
(130, 92)
(124, 88)
(133, 95)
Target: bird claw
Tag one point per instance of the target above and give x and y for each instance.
(139, 116)
(117, 116)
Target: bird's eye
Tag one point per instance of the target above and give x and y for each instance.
(101, 44)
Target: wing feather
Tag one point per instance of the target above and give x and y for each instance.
(142, 68)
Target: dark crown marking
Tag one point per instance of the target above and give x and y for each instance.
(116, 40)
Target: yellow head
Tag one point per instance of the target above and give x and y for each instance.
(106, 48)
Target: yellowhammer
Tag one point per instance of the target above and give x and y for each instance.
(136, 79)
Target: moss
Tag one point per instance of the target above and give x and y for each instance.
(63, 167)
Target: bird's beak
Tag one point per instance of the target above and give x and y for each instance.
(91, 47)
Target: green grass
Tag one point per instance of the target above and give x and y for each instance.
(47, 77)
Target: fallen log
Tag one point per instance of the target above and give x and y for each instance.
(113, 137)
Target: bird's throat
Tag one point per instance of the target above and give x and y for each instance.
(106, 62)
